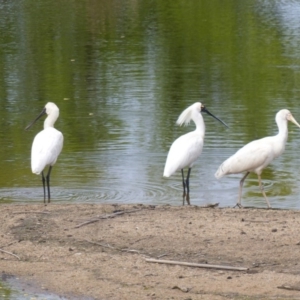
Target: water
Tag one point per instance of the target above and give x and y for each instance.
(13, 289)
(122, 72)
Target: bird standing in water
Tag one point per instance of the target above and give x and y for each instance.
(46, 145)
(187, 148)
(258, 154)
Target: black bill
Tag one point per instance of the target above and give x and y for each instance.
(43, 112)
(209, 113)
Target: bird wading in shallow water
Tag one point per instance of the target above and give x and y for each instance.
(256, 155)
(46, 146)
(187, 148)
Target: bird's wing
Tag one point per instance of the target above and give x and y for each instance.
(253, 156)
(183, 153)
(46, 148)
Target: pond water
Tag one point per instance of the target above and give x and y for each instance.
(13, 289)
(121, 72)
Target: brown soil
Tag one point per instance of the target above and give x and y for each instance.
(107, 259)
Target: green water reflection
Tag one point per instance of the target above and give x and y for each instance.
(5, 293)
(12, 289)
(121, 73)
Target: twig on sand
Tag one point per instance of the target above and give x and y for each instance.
(289, 287)
(129, 250)
(114, 248)
(10, 254)
(162, 255)
(107, 216)
(100, 244)
(31, 212)
(170, 262)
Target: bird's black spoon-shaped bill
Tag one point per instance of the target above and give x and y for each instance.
(209, 113)
(43, 112)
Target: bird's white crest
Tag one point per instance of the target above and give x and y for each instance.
(187, 115)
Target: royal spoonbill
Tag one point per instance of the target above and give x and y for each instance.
(46, 145)
(187, 148)
(257, 155)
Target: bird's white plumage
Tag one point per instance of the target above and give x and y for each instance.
(46, 148)
(48, 143)
(187, 148)
(258, 154)
(183, 153)
(253, 157)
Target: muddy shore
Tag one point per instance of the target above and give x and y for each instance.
(101, 251)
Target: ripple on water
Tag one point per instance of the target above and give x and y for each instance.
(139, 192)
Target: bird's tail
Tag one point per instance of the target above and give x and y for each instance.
(167, 171)
(220, 172)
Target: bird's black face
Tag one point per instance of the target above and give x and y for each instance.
(204, 109)
(43, 112)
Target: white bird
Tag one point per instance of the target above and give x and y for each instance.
(257, 155)
(46, 145)
(187, 148)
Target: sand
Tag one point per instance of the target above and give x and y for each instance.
(56, 251)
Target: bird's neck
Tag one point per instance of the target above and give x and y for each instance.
(200, 125)
(282, 130)
(50, 120)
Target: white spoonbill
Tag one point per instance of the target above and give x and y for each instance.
(46, 145)
(187, 148)
(257, 155)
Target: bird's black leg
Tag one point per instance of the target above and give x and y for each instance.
(183, 184)
(188, 186)
(48, 182)
(43, 180)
